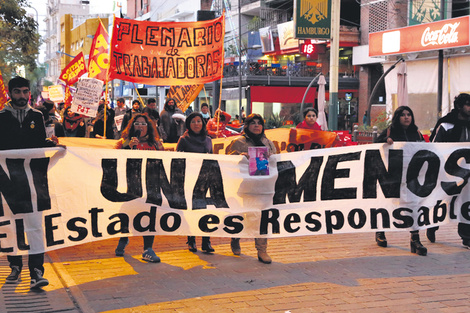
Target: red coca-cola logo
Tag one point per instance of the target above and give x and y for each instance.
(446, 35)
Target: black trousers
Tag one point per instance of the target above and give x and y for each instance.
(463, 230)
(34, 261)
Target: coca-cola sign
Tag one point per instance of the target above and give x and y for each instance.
(443, 34)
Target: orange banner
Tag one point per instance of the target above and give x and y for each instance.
(3, 92)
(184, 95)
(72, 72)
(99, 55)
(167, 53)
(284, 139)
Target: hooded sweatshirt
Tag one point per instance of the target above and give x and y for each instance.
(22, 129)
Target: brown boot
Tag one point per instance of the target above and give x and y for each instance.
(261, 245)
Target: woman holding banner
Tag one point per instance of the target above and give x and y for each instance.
(253, 136)
(140, 134)
(403, 128)
(195, 139)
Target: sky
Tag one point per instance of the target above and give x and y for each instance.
(96, 6)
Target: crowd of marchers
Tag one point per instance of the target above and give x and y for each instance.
(142, 127)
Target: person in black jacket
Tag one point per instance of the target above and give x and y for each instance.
(195, 139)
(136, 109)
(403, 128)
(22, 127)
(454, 127)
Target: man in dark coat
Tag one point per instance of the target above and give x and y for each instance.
(171, 122)
(22, 127)
(454, 127)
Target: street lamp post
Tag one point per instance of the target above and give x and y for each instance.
(58, 51)
(240, 61)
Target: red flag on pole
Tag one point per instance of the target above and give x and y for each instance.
(68, 97)
(99, 55)
(3, 92)
(72, 72)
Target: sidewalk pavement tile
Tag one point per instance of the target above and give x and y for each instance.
(324, 273)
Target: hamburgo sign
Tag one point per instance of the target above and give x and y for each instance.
(443, 34)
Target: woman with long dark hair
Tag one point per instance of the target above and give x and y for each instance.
(403, 128)
(195, 139)
(253, 136)
(74, 124)
(140, 134)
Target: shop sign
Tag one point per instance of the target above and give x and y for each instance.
(425, 11)
(444, 34)
(312, 19)
(286, 36)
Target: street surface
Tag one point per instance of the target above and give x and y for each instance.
(326, 273)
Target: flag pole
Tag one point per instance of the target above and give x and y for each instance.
(217, 117)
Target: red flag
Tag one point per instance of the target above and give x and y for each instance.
(99, 55)
(3, 92)
(72, 72)
(68, 97)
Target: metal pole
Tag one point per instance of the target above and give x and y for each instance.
(334, 64)
(440, 69)
(306, 91)
(239, 61)
(369, 105)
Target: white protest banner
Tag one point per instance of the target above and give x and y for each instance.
(56, 93)
(367, 188)
(87, 96)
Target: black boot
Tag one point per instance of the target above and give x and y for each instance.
(192, 244)
(416, 246)
(206, 245)
(431, 233)
(380, 239)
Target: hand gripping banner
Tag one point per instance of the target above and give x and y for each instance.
(167, 53)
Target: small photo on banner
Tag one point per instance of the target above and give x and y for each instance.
(259, 161)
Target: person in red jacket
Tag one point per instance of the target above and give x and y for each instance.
(310, 120)
(216, 125)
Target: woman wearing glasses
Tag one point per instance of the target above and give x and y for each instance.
(140, 134)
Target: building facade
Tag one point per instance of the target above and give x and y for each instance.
(422, 66)
(55, 10)
(273, 79)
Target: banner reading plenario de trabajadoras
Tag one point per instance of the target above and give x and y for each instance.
(80, 195)
(167, 53)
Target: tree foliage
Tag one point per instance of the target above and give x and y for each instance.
(19, 38)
